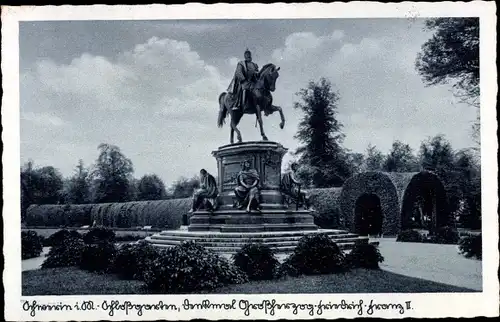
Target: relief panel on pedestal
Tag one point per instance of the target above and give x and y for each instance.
(231, 167)
(272, 170)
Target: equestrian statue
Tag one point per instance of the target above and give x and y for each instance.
(249, 93)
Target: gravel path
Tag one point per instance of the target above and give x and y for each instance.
(35, 263)
(438, 263)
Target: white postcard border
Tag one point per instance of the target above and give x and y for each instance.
(425, 305)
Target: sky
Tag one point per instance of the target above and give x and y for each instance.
(151, 87)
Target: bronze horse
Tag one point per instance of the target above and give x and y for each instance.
(259, 100)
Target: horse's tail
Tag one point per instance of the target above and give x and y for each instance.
(222, 110)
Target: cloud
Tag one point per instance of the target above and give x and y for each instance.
(382, 97)
(42, 119)
(302, 44)
(157, 100)
(158, 95)
(149, 77)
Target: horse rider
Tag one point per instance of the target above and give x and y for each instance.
(246, 74)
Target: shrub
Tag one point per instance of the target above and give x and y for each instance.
(65, 254)
(61, 236)
(132, 260)
(364, 255)
(446, 235)
(31, 244)
(409, 236)
(472, 246)
(314, 254)
(257, 261)
(98, 257)
(188, 268)
(99, 234)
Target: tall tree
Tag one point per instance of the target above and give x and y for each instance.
(436, 154)
(319, 131)
(452, 55)
(469, 188)
(374, 160)
(356, 162)
(184, 187)
(78, 186)
(112, 175)
(40, 186)
(151, 187)
(400, 158)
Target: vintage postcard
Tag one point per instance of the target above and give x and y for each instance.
(253, 161)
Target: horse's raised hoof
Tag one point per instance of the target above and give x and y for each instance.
(282, 125)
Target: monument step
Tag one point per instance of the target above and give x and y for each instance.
(262, 234)
(243, 239)
(230, 242)
(280, 249)
(237, 212)
(252, 228)
(239, 244)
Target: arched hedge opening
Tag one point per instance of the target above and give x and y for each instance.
(371, 183)
(424, 203)
(368, 217)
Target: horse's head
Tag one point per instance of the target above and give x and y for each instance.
(270, 74)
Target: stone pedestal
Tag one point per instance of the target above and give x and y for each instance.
(266, 158)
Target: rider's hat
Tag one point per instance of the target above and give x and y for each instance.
(247, 51)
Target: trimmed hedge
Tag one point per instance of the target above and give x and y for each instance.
(325, 205)
(165, 214)
(58, 215)
(31, 244)
(379, 184)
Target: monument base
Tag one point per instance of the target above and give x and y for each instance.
(227, 229)
(241, 221)
(281, 242)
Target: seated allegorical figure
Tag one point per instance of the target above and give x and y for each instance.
(247, 192)
(291, 188)
(208, 190)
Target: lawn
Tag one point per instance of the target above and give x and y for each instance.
(46, 232)
(73, 281)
